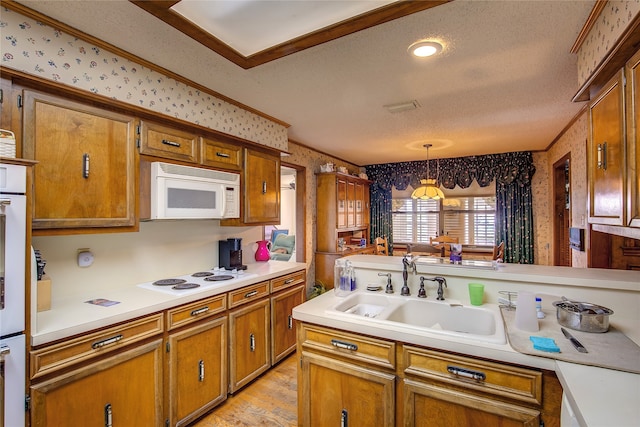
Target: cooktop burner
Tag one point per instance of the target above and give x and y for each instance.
(169, 282)
(219, 278)
(186, 286)
(202, 274)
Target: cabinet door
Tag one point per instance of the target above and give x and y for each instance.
(86, 175)
(607, 155)
(124, 389)
(359, 204)
(341, 204)
(351, 204)
(633, 139)
(261, 188)
(197, 370)
(336, 393)
(249, 343)
(283, 336)
(169, 143)
(429, 405)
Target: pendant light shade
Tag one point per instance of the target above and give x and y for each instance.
(428, 188)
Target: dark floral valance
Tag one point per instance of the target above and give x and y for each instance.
(505, 169)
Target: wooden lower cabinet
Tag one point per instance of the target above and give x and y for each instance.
(123, 389)
(432, 405)
(339, 393)
(197, 370)
(356, 380)
(283, 335)
(249, 346)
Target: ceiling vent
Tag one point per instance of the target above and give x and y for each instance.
(402, 106)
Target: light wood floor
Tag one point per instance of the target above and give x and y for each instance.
(271, 400)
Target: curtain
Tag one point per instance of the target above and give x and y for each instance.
(514, 222)
(381, 223)
(511, 171)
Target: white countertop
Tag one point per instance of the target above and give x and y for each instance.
(73, 315)
(600, 397)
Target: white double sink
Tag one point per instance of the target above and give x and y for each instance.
(483, 323)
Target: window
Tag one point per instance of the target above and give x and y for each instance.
(470, 218)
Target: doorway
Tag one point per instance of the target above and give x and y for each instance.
(562, 211)
(292, 208)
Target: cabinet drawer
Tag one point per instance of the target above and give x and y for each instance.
(349, 346)
(220, 154)
(86, 347)
(193, 312)
(501, 380)
(248, 294)
(161, 141)
(287, 281)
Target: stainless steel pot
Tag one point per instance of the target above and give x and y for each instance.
(583, 316)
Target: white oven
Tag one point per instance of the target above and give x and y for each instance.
(13, 219)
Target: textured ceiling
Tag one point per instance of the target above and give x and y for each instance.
(503, 82)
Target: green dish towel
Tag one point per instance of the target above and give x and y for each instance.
(544, 344)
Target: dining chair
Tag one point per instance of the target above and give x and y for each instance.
(443, 242)
(498, 252)
(382, 246)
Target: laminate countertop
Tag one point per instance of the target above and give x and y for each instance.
(74, 315)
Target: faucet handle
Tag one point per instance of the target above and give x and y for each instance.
(389, 289)
(422, 293)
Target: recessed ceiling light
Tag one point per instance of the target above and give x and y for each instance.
(425, 48)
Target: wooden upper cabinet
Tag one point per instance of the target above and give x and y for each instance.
(219, 154)
(86, 175)
(261, 187)
(606, 155)
(169, 143)
(633, 140)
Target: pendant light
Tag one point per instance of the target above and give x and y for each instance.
(427, 189)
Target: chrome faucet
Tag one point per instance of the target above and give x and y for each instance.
(441, 281)
(389, 289)
(405, 291)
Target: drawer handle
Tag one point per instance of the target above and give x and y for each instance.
(345, 345)
(201, 371)
(171, 143)
(344, 418)
(112, 340)
(251, 294)
(252, 342)
(290, 319)
(286, 282)
(466, 373)
(200, 311)
(108, 415)
(225, 155)
(264, 187)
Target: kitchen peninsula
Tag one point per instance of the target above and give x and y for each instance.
(181, 354)
(426, 366)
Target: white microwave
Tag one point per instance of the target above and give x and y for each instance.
(184, 192)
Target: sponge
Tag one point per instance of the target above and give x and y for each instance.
(544, 344)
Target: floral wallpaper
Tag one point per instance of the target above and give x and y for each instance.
(35, 48)
(611, 23)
